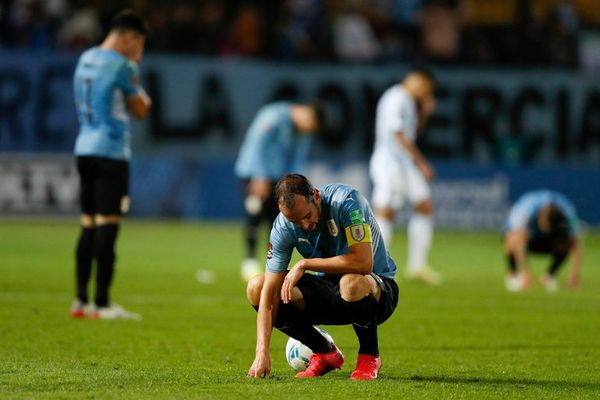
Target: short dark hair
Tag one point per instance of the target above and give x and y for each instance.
(293, 185)
(128, 20)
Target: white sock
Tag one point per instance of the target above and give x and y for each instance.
(387, 231)
(420, 233)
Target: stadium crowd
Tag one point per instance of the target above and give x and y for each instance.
(473, 32)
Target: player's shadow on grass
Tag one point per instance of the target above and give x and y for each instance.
(594, 386)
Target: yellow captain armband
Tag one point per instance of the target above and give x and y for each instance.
(358, 233)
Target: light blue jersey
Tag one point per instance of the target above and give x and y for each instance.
(102, 82)
(523, 214)
(346, 219)
(272, 147)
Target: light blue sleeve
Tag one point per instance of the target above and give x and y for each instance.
(128, 78)
(281, 246)
(300, 156)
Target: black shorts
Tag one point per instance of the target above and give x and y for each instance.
(104, 185)
(322, 299)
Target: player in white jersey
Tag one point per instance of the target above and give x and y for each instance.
(400, 172)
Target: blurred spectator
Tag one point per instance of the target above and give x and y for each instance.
(246, 33)
(183, 31)
(353, 36)
(302, 32)
(442, 25)
(491, 32)
(81, 30)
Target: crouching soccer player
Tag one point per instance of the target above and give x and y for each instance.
(335, 231)
(542, 222)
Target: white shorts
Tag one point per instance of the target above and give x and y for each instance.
(395, 183)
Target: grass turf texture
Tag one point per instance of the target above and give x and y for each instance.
(466, 339)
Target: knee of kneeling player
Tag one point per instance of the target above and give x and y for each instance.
(253, 289)
(353, 287)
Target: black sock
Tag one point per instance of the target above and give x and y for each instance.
(363, 314)
(251, 236)
(104, 249)
(83, 258)
(557, 260)
(512, 264)
(293, 322)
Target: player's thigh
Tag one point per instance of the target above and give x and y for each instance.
(322, 300)
(87, 177)
(416, 186)
(388, 186)
(112, 187)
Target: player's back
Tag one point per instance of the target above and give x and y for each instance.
(267, 145)
(103, 79)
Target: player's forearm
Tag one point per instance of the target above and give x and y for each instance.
(576, 256)
(343, 264)
(267, 309)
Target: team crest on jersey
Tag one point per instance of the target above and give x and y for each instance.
(357, 232)
(357, 217)
(270, 252)
(332, 227)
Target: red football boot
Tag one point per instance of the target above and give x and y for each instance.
(322, 363)
(367, 367)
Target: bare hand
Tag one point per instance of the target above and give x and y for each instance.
(427, 170)
(261, 367)
(290, 281)
(573, 281)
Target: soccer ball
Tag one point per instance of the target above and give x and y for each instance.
(298, 355)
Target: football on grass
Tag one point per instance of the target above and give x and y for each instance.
(298, 355)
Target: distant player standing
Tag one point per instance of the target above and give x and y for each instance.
(400, 172)
(545, 222)
(335, 231)
(107, 89)
(277, 142)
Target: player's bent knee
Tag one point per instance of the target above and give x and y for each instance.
(354, 287)
(87, 221)
(254, 288)
(425, 207)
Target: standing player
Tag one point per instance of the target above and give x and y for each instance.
(333, 228)
(400, 172)
(276, 143)
(107, 89)
(544, 222)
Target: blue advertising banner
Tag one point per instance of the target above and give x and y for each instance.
(203, 106)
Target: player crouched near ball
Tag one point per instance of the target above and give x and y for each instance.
(542, 222)
(334, 229)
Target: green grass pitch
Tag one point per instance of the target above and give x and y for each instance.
(466, 339)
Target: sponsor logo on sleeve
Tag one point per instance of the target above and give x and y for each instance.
(357, 217)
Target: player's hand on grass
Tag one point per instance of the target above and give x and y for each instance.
(261, 367)
(290, 281)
